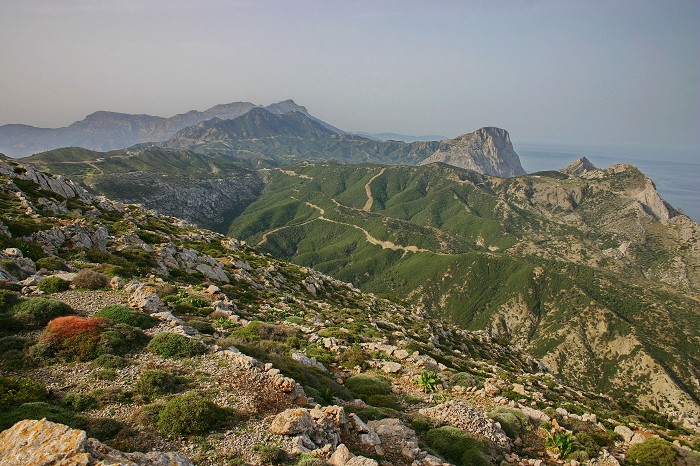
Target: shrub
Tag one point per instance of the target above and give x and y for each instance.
(51, 263)
(53, 285)
(7, 297)
(310, 459)
(652, 452)
(513, 422)
(156, 382)
(78, 401)
(15, 391)
(456, 446)
(90, 280)
(40, 410)
(110, 361)
(383, 401)
(201, 326)
(121, 338)
(173, 345)
(429, 381)
(189, 414)
(103, 428)
(37, 312)
(121, 314)
(71, 338)
(366, 385)
(463, 379)
(270, 454)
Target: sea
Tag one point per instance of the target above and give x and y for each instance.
(675, 172)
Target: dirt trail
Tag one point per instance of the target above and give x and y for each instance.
(368, 190)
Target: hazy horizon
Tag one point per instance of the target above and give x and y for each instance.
(619, 72)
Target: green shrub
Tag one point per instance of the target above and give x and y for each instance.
(88, 279)
(15, 391)
(513, 422)
(78, 401)
(156, 382)
(652, 452)
(366, 385)
(270, 454)
(322, 355)
(7, 297)
(121, 314)
(51, 264)
(110, 361)
(103, 428)
(310, 459)
(173, 345)
(456, 446)
(383, 401)
(53, 285)
(463, 379)
(37, 312)
(201, 326)
(190, 414)
(372, 413)
(40, 410)
(353, 357)
(422, 424)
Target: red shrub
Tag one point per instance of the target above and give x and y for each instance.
(72, 337)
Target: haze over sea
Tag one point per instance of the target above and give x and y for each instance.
(676, 172)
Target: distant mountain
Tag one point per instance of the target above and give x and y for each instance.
(399, 137)
(486, 150)
(104, 131)
(262, 139)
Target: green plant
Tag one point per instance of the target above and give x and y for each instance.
(326, 394)
(190, 414)
(429, 381)
(513, 422)
(383, 401)
(110, 361)
(561, 442)
(15, 391)
(88, 279)
(652, 452)
(366, 385)
(103, 428)
(37, 312)
(53, 285)
(310, 459)
(39, 410)
(156, 382)
(78, 401)
(51, 263)
(456, 446)
(173, 345)
(270, 454)
(353, 357)
(121, 314)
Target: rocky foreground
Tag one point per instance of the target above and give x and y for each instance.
(139, 339)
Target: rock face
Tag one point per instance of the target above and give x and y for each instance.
(40, 443)
(486, 150)
(579, 167)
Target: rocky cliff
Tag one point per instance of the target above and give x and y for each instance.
(486, 150)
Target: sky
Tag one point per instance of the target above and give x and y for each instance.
(607, 72)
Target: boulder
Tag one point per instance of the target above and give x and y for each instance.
(340, 456)
(292, 422)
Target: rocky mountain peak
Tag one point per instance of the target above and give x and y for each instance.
(487, 150)
(579, 167)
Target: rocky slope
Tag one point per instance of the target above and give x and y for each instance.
(105, 131)
(181, 340)
(593, 273)
(486, 150)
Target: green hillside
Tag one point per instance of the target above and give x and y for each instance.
(576, 269)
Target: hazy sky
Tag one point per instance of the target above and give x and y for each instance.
(607, 72)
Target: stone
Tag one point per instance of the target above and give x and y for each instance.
(292, 422)
(491, 389)
(625, 432)
(40, 443)
(116, 283)
(361, 461)
(307, 361)
(390, 367)
(340, 456)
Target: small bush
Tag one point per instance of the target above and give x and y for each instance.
(428, 381)
(7, 297)
(121, 314)
(270, 454)
(190, 414)
(88, 279)
(201, 326)
(53, 285)
(110, 361)
(463, 379)
(40, 410)
(366, 385)
(383, 401)
(15, 391)
(372, 413)
(310, 459)
(78, 401)
(37, 312)
(51, 264)
(103, 428)
(456, 446)
(156, 382)
(173, 345)
(652, 452)
(72, 338)
(513, 422)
